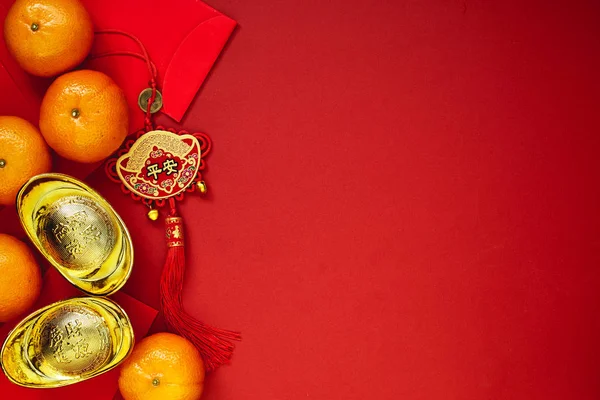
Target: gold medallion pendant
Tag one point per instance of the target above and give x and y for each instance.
(67, 342)
(78, 231)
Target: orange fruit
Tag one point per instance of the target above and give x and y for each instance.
(84, 116)
(162, 366)
(48, 37)
(23, 154)
(20, 278)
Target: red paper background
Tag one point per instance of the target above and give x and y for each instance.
(403, 201)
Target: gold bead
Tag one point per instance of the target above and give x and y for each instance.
(202, 187)
(153, 215)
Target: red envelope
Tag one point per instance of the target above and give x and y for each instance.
(183, 38)
(102, 387)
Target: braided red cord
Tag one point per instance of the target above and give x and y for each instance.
(215, 345)
(148, 118)
(145, 57)
(126, 54)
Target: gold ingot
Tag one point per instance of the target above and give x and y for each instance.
(77, 231)
(67, 342)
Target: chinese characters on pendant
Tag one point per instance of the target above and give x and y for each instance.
(168, 166)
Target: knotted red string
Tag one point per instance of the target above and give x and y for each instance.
(146, 58)
(215, 345)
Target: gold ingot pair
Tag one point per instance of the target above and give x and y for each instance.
(81, 235)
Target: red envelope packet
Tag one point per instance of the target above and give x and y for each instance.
(102, 387)
(183, 38)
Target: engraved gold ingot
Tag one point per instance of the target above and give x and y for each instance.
(77, 231)
(67, 342)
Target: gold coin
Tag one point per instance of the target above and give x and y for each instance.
(143, 98)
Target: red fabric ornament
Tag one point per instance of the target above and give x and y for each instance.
(158, 168)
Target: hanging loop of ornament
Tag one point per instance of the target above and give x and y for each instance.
(149, 95)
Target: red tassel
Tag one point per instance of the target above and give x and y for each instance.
(215, 345)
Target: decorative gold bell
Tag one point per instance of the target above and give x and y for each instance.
(153, 214)
(201, 185)
(77, 231)
(66, 343)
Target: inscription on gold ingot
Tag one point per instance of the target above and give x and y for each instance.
(77, 232)
(72, 341)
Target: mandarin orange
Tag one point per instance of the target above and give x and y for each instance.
(20, 278)
(84, 116)
(162, 366)
(23, 154)
(48, 37)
